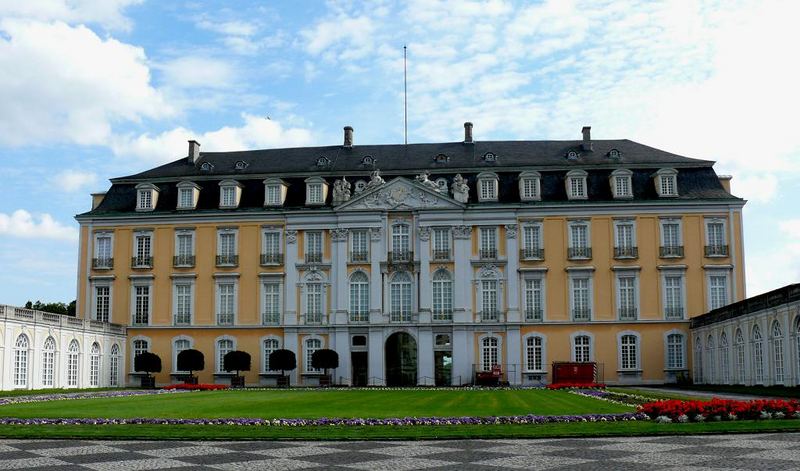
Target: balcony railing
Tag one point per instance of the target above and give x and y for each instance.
(359, 317)
(225, 318)
(271, 258)
(490, 315)
(401, 256)
(669, 251)
(716, 250)
(581, 314)
(442, 315)
(580, 253)
(103, 263)
(531, 253)
(441, 255)
(627, 313)
(673, 313)
(184, 319)
(626, 252)
(313, 318)
(313, 257)
(271, 318)
(141, 262)
(227, 260)
(400, 317)
(488, 254)
(533, 315)
(359, 257)
(183, 261)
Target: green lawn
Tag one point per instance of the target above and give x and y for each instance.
(315, 404)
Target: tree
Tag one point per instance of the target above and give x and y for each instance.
(236, 361)
(325, 359)
(191, 360)
(147, 362)
(282, 360)
(54, 308)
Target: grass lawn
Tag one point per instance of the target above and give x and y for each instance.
(316, 404)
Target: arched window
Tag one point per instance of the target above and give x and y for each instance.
(490, 353)
(629, 352)
(312, 345)
(738, 342)
(442, 296)
(113, 366)
(94, 365)
(224, 346)
(675, 352)
(758, 355)
(269, 346)
(582, 345)
(359, 297)
(400, 297)
(777, 352)
(73, 363)
(179, 345)
(698, 360)
(48, 362)
(534, 353)
(724, 357)
(21, 361)
(710, 366)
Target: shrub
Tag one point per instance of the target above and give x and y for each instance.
(147, 362)
(191, 360)
(282, 360)
(325, 359)
(236, 361)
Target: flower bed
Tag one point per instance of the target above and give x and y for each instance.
(576, 386)
(405, 421)
(720, 409)
(195, 387)
(80, 395)
(613, 396)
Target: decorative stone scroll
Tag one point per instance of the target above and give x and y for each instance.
(339, 235)
(462, 232)
(375, 234)
(424, 234)
(511, 231)
(291, 237)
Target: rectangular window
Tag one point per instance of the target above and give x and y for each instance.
(716, 233)
(668, 185)
(577, 186)
(675, 356)
(579, 241)
(359, 246)
(582, 349)
(717, 291)
(488, 189)
(184, 244)
(441, 244)
(141, 304)
(273, 196)
(226, 303)
(673, 297)
(102, 303)
(315, 193)
(271, 250)
(145, 199)
(622, 187)
(313, 303)
(227, 244)
(183, 304)
(102, 251)
(185, 198)
(628, 352)
(534, 354)
(532, 242)
(533, 300)
(626, 296)
(272, 304)
(401, 241)
(314, 246)
(625, 236)
(581, 307)
(488, 236)
(143, 255)
(228, 196)
(530, 189)
(489, 297)
(671, 241)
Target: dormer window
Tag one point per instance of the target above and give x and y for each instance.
(666, 182)
(274, 192)
(530, 188)
(441, 158)
(146, 197)
(621, 183)
(240, 165)
(614, 154)
(316, 191)
(230, 191)
(573, 155)
(487, 187)
(323, 162)
(206, 167)
(188, 194)
(576, 185)
(368, 160)
(490, 157)
(360, 186)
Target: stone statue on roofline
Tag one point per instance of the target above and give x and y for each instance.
(423, 178)
(375, 180)
(341, 191)
(460, 189)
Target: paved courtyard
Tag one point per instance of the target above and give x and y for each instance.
(690, 453)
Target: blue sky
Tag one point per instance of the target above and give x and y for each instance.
(93, 89)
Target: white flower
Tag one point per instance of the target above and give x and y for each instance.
(683, 418)
(663, 419)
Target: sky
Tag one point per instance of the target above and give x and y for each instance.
(95, 89)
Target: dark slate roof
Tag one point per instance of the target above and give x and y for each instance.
(398, 158)
(771, 299)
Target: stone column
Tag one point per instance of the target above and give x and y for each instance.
(425, 358)
(339, 275)
(512, 275)
(375, 357)
(462, 285)
(425, 288)
(292, 279)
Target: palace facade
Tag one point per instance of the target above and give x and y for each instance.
(419, 264)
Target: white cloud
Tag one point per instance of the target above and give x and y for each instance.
(756, 188)
(352, 36)
(108, 13)
(197, 72)
(23, 224)
(73, 180)
(69, 85)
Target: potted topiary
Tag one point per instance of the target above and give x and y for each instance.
(191, 360)
(325, 359)
(236, 361)
(149, 363)
(282, 360)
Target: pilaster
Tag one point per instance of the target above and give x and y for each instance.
(512, 274)
(462, 296)
(425, 359)
(375, 358)
(292, 279)
(425, 288)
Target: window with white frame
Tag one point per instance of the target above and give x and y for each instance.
(184, 248)
(738, 347)
(534, 353)
(621, 183)
(315, 191)
(724, 367)
(21, 361)
(758, 355)
(489, 300)
(666, 181)
(533, 292)
(716, 245)
(488, 243)
(401, 242)
(582, 348)
(73, 363)
(442, 295)
(487, 187)
(229, 194)
(673, 296)
(226, 302)
(271, 253)
(141, 304)
(271, 312)
(576, 185)
(629, 352)
(441, 243)
(103, 255)
(313, 246)
(671, 240)
(314, 293)
(140, 346)
(717, 290)
(179, 345)
(94, 365)
(274, 192)
(142, 246)
(183, 302)
(146, 197)
(311, 346)
(777, 352)
(267, 347)
(113, 366)
(359, 246)
(530, 186)
(580, 295)
(490, 353)
(627, 296)
(359, 297)
(532, 242)
(625, 239)
(102, 302)
(676, 348)
(188, 194)
(400, 303)
(224, 346)
(48, 362)
(579, 246)
(226, 247)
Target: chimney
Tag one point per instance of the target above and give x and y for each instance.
(467, 133)
(348, 136)
(194, 151)
(587, 138)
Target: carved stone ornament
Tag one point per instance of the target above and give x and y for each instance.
(341, 191)
(424, 233)
(375, 179)
(423, 179)
(291, 237)
(462, 232)
(489, 271)
(395, 196)
(511, 231)
(339, 235)
(375, 234)
(460, 189)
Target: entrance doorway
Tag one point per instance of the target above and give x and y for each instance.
(443, 368)
(401, 360)
(358, 360)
